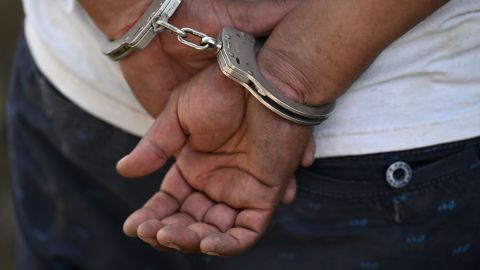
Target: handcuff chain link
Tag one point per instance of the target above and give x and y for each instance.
(206, 42)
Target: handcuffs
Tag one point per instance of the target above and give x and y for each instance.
(236, 58)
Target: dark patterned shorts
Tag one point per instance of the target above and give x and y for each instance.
(416, 209)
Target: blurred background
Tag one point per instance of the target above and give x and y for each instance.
(10, 23)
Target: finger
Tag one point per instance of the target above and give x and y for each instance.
(203, 230)
(221, 216)
(196, 205)
(175, 231)
(186, 238)
(175, 185)
(179, 219)
(227, 244)
(130, 226)
(290, 192)
(249, 226)
(147, 231)
(309, 154)
(159, 206)
(255, 17)
(164, 138)
(179, 237)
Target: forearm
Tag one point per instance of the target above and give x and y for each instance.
(114, 17)
(323, 46)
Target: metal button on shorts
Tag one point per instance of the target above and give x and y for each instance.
(399, 174)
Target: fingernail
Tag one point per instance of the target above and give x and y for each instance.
(211, 253)
(121, 160)
(170, 245)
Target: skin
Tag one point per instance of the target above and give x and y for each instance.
(220, 194)
(236, 159)
(177, 63)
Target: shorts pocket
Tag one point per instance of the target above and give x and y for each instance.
(437, 189)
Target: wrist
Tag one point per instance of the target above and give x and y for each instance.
(113, 17)
(322, 47)
(287, 75)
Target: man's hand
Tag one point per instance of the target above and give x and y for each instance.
(239, 157)
(322, 46)
(165, 63)
(236, 162)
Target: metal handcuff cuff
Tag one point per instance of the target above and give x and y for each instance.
(236, 58)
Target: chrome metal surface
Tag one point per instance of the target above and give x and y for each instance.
(237, 60)
(144, 30)
(161, 25)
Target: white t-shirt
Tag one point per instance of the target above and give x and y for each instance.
(424, 89)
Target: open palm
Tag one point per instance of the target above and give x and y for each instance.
(235, 163)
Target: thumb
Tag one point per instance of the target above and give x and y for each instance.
(257, 17)
(161, 142)
(290, 192)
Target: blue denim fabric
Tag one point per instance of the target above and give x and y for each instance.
(70, 203)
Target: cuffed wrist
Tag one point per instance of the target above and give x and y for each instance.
(114, 18)
(281, 70)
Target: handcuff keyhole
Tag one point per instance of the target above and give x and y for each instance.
(399, 175)
(238, 60)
